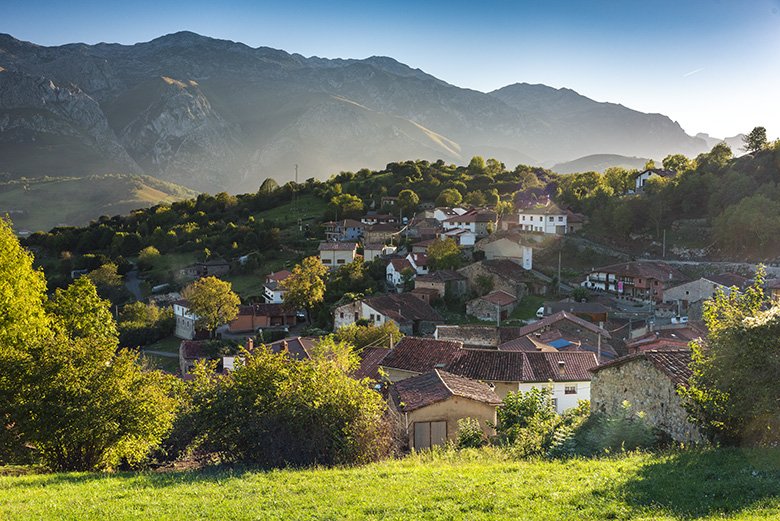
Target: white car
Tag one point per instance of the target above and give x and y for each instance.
(540, 312)
(679, 320)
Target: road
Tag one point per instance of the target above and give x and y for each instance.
(133, 284)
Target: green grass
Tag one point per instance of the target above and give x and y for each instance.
(164, 363)
(309, 207)
(75, 201)
(527, 307)
(731, 484)
(169, 345)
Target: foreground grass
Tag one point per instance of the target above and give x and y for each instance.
(474, 485)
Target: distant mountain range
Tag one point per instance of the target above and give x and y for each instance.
(218, 115)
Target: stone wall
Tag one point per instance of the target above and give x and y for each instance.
(483, 336)
(513, 287)
(648, 390)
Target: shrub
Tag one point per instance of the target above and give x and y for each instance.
(275, 411)
(625, 431)
(470, 434)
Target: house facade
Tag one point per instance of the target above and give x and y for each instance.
(344, 230)
(394, 272)
(509, 246)
(428, 407)
(273, 291)
(409, 313)
(643, 177)
(445, 282)
(185, 320)
(336, 254)
(480, 223)
(637, 280)
(689, 297)
(260, 316)
(547, 218)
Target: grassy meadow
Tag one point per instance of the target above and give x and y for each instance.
(477, 484)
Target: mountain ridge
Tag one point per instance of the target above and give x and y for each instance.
(254, 112)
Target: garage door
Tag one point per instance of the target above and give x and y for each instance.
(428, 434)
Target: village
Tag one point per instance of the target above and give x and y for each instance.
(620, 336)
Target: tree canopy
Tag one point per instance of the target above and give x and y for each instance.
(213, 301)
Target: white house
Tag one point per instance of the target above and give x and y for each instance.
(336, 254)
(419, 262)
(441, 214)
(643, 177)
(507, 245)
(185, 320)
(273, 293)
(546, 218)
(375, 251)
(394, 271)
(411, 314)
(461, 237)
(479, 222)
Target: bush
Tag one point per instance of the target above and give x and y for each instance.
(470, 435)
(626, 431)
(274, 411)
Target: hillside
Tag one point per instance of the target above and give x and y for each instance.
(599, 163)
(41, 204)
(218, 115)
(735, 484)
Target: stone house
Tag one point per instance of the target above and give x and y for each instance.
(336, 254)
(496, 305)
(429, 406)
(377, 251)
(185, 321)
(445, 282)
(381, 233)
(409, 313)
(590, 311)
(427, 295)
(506, 275)
(649, 381)
(689, 297)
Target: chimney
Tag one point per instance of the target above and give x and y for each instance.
(561, 367)
(284, 346)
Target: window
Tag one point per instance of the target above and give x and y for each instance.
(326, 261)
(523, 218)
(570, 389)
(341, 315)
(339, 261)
(551, 218)
(560, 218)
(371, 317)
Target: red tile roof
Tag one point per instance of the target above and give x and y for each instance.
(403, 308)
(675, 364)
(436, 386)
(299, 347)
(499, 298)
(441, 276)
(549, 321)
(645, 270)
(338, 246)
(489, 364)
(278, 276)
(400, 264)
(370, 360)
(420, 355)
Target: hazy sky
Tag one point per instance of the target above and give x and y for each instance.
(711, 65)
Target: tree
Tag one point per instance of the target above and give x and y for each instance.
(756, 140)
(369, 335)
(449, 197)
(213, 301)
(408, 201)
(346, 205)
(650, 164)
(733, 394)
(79, 312)
(147, 257)
(484, 284)
(678, 163)
(305, 287)
(475, 198)
(444, 254)
(476, 166)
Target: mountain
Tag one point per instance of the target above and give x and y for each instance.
(219, 115)
(41, 204)
(735, 143)
(599, 163)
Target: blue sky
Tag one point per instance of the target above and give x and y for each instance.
(711, 65)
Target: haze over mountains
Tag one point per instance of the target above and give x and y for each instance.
(216, 115)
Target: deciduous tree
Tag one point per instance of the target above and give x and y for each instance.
(213, 301)
(305, 287)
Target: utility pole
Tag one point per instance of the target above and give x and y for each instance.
(559, 272)
(663, 254)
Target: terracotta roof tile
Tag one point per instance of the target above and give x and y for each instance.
(437, 386)
(673, 363)
(338, 246)
(499, 298)
(370, 360)
(403, 308)
(420, 355)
